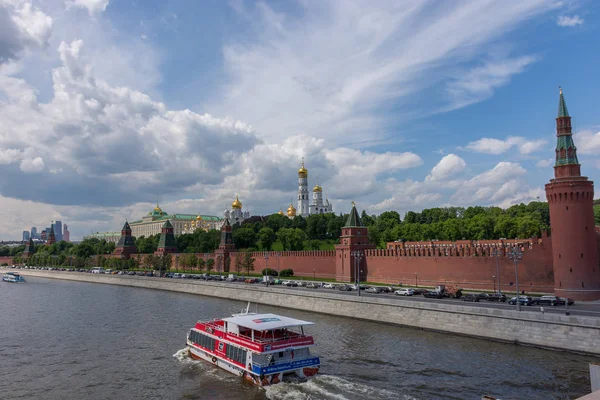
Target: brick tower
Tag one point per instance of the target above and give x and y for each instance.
(51, 236)
(570, 198)
(226, 246)
(126, 245)
(354, 237)
(29, 249)
(166, 243)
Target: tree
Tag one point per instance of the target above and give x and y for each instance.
(239, 263)
(244, 238)
(266, 236)
(248, 262)
(201, 263)
(191, 260)
(148, 261)
(210, 264)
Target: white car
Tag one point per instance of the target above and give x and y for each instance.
(329, 286)
(405, 292)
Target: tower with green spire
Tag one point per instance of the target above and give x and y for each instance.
(351, 261)
(570, 199)
(166, 242)
(126, 245)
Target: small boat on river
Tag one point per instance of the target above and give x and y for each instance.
(13, 277)
(261, 348)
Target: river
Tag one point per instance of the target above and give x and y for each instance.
(75, 340)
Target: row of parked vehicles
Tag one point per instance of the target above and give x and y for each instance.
(549, 300)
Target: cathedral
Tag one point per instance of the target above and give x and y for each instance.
(317, 206)
(236, 215)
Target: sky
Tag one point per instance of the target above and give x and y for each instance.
(110, 106)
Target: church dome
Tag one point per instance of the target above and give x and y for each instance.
(198, 218)
(291, 211)
(317, 188)
(280, 212)
(237, 203)
(302, 172)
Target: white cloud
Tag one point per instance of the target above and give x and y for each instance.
(565, 21)
(497, 146)
(449, 166)
(544, 163)
(334, 72)
(587, 142)
(32, 165)
(23, 26)
(93, 6)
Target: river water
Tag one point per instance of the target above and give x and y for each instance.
(73, 340)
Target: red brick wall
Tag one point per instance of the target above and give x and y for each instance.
(535, 269)
(6, 260)
(302, 262)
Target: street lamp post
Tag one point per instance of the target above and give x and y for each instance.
(494, 278)
(314, 278)
(266, 268)
(357, 255)
(416, 280)
(219, 261)
(496, 253)
(516, 254)
(278, 254)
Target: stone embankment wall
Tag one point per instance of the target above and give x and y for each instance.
(571, 333)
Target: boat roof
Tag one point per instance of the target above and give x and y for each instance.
(265, 322)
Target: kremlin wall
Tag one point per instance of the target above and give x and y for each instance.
(564, 261)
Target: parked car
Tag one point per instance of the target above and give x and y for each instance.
(420, 291)
(405, 292)
(312, 285)
(290, 284)
(549, 301)
(483, 296)
(374, 289)
(497, 297)
(329, 286)
(569, 301)
(471, 297)
(524, 300)
(344, 288)
(432, 294)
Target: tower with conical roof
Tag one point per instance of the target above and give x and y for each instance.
(51, 236)
(29, 249)
(126, 245)
(303, 195)
(570, 198)
(350, 256)
(166, 242)
(226, 246)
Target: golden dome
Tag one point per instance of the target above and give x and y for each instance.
(317, 188)
(291, 211)
(280, 212)
(198, 218)
(157, 208)
(302, 172)
(237, 203)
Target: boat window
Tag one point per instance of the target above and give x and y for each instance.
(202, 340)
(236, 354)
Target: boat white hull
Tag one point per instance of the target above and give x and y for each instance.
(260, 380)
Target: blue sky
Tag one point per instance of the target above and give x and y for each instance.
(107, 105)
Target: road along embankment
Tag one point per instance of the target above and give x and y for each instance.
(570, 333)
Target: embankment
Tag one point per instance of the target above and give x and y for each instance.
(570, 333)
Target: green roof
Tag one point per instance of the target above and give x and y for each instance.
(565, 142)
(353, 219)
(562, 106)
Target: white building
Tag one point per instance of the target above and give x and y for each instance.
(317, 206)
(236, 215)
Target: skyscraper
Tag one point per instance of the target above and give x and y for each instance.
(25, 236)
(58, 231)
(34, 234)
(66, 234)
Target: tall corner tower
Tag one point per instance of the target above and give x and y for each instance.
(303, 195)
(126, 245)
(570, 198)
(353, 240)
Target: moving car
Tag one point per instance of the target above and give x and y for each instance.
(471, 297)
(329, 286)
(524, 300)
(549, 301)
(432, 294)
(405, 292)
(374, 289)
(344, 288)
(497, 297)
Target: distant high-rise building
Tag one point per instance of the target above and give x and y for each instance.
(66, 234)
(25, 236)
(43, 235)
(58, 230)
(34, 234)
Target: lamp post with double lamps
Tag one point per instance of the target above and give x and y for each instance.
(314, 276)
(357, 254)
(516, 254)
(496, 254)
(266, 268)
(416, 280)
(494, 278)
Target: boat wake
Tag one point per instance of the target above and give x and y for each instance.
(183, 356)
(329, 387)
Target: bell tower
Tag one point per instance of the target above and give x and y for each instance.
(570, 198)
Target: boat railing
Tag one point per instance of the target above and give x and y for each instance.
(271, 363)
(266, 340)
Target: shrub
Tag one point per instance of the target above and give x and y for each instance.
(268, 271)
(286, 272)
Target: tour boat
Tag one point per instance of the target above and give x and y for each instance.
(13, 277)
(261, 348)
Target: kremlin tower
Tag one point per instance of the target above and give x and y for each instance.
(303, 198)
(570, 198)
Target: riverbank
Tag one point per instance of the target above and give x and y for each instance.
(570, 333)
